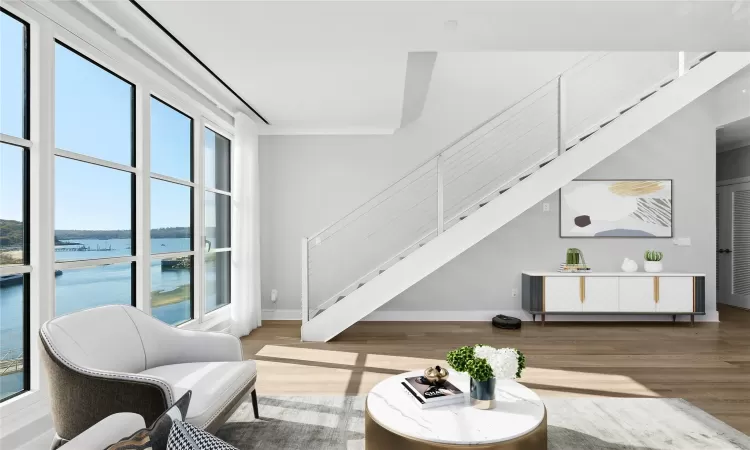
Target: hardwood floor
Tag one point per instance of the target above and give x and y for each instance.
(708, 365)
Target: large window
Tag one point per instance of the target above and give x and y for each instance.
(218, 201)
(15, 266)
(119, 184)
(171, 214)
(94, 185)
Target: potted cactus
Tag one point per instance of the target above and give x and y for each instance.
(653, 261)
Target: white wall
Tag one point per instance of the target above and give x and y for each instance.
(733, 164)
(681, 148)
(308, 182)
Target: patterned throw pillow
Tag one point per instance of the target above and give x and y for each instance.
(156, 436)
(186, 437)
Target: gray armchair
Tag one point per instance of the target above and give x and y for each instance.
(114, 359)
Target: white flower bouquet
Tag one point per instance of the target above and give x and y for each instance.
(483, 362)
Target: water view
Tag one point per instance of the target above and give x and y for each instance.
(77, 289)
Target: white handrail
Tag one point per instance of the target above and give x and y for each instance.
(456, 141)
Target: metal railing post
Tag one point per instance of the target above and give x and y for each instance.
(681, 63)
(305, 281)
(440, 194)
(561, 103)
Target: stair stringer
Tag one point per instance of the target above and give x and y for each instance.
(524, 194)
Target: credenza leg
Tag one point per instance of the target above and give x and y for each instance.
(533, 317)
(692, 320)
(542, 319)
(674, 317)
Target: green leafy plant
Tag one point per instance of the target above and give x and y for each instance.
(653, 255)
(521, 363)
(460, 358)
(479, 369)
(574, 256)
(484, 367)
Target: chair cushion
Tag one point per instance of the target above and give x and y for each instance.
(103, 338)
(213, 384)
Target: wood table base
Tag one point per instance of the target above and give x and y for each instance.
(379, 438)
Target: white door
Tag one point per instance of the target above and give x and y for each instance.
(675, 294)
(733, 237)
(562, 294)
(600, 294)
(637, 294)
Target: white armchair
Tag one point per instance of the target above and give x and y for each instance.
(114, 359)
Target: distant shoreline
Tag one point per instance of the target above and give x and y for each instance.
(177, 295)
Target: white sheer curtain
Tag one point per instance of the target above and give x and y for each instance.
(246, 308)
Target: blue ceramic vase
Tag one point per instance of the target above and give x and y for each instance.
(483, 393)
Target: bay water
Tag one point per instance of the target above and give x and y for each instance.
(77, 289)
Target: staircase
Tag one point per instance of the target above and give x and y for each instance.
(491, 175)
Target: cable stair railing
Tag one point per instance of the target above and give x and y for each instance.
(477, 168)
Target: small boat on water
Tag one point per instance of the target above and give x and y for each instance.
(11, 280)
(15, 280)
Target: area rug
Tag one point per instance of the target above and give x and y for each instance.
(337, 422)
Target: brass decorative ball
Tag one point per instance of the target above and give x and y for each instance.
(436, 375)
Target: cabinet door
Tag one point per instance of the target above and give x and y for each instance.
(562, 294)
(637, 294)
(600, 294)
(675, 294)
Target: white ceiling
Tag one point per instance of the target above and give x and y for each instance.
(335, 66)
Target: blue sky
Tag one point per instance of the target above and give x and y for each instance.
(93, 111)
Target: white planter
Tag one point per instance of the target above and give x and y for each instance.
(652, 266)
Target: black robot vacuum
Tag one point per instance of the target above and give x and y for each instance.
(506, 322)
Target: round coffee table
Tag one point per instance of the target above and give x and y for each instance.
(395, 421)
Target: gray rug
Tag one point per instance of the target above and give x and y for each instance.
(337, 422)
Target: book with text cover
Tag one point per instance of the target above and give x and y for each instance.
(427, 394)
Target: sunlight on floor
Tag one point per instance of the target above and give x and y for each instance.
(570, 383)
(404, 363)
(309, 354)
(304, 371)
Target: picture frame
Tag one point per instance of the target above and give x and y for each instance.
(617, 208)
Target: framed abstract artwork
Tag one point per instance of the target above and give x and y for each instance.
(616, 208)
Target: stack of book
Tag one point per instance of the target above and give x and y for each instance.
(428, 395)
(574, 268)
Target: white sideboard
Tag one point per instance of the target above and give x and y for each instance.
(671, 294)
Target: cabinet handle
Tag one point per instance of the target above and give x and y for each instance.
(656, 289)
(583, 289)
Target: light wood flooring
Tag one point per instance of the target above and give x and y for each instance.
(708, 365)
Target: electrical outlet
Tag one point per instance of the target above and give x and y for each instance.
(274, 295)
(514, 292)
(545, 207)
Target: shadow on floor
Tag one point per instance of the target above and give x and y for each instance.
(559, 438)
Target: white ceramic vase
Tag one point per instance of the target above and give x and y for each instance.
(628, 265)
(652, 266)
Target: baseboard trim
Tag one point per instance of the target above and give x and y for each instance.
(486, 316)
(282, 314)
(441, 316)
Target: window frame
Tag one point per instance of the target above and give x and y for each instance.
(193, 194)
(86, 159)
(230, 138)
(107, 49)
(24, 144)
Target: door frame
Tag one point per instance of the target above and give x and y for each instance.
(724, 276)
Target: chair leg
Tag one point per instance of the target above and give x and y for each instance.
(254, 396)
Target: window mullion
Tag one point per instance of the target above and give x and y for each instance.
(42, 132)
(143, 198)
(199, 231)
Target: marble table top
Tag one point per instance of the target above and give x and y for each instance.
(518, 412)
